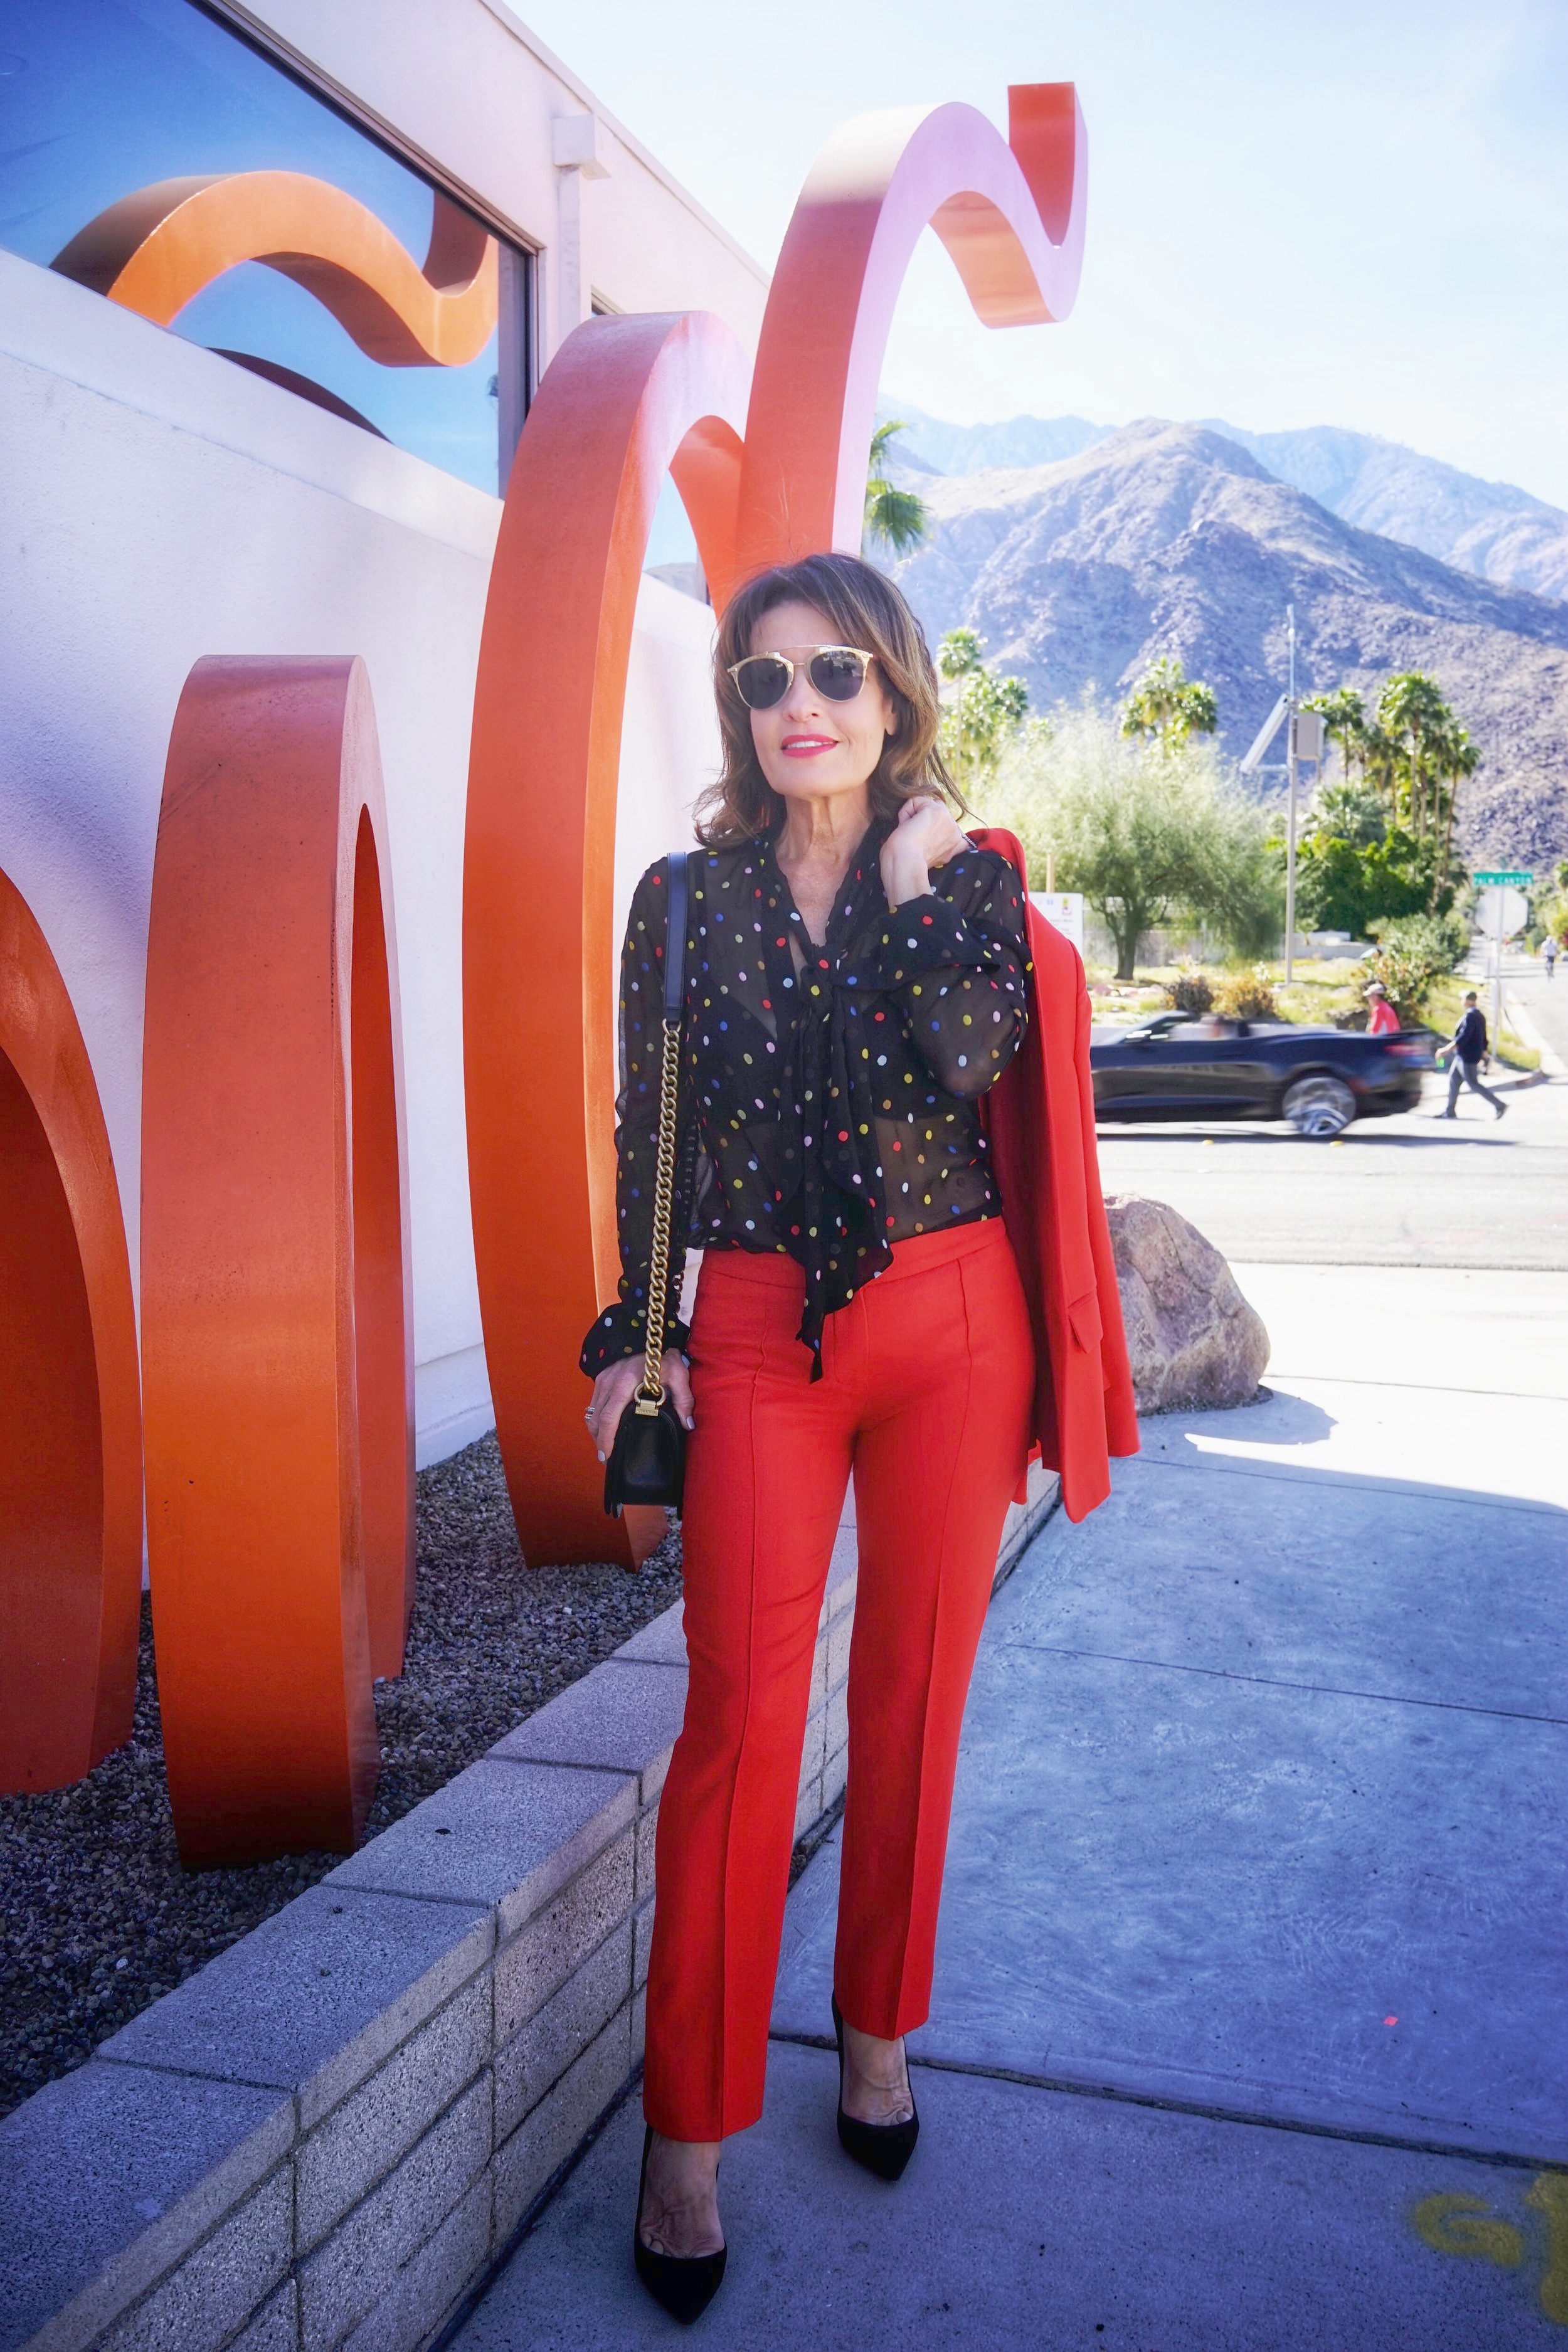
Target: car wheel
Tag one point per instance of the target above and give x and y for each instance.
(1318, 1107)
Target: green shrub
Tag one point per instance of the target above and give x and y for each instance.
(1248, 995)
(1344, 886)
(1412, 955)
(1441, 941)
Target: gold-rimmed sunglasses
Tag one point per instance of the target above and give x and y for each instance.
(837, 672)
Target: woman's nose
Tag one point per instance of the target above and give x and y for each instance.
(802, 702)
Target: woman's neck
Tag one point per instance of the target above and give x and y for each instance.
(813, 852)
(820, 836)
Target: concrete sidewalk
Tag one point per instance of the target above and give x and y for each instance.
(1247, 2024)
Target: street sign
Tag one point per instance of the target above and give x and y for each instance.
(1064, 910)
(1501, 911)
(1506, 881)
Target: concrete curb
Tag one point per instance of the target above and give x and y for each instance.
(1518, 1018)
(327, 2136)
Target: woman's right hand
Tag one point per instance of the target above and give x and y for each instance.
(613, 1394)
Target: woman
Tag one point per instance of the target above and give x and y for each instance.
(856, 981)
(1382, 1020)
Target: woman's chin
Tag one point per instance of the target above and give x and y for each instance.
(815, 780)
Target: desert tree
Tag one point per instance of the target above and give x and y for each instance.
(1146, 830)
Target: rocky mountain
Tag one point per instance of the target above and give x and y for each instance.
(1488, 528)
(1172, 539)
(932, 447)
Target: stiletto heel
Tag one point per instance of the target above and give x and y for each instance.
(684, 2284)
(882, 2149)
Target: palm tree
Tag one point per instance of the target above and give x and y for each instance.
(1166, 703)
(1460, 757)
(983, 714)
(1351, 811)
(1344, 723)
(899, 519)
(1412, 710)
(1379, 756)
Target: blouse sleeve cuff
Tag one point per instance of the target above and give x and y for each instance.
(618, 1333)
(923, 935)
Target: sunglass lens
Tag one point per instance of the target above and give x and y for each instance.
(763, 680)
(837, 673)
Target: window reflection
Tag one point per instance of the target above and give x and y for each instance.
(101, 98)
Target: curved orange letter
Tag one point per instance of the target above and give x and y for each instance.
(71, 1417)
(624, 400)
(276, 1325)
(1011, 214)
(155, 251)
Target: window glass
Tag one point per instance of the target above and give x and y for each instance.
(100, 98)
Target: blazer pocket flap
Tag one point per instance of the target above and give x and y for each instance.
(1083, 1318)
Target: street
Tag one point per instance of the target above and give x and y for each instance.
(1484, 1192)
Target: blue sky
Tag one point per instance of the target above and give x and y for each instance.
(1349, 212)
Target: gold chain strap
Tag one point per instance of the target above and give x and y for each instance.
(649, 1393)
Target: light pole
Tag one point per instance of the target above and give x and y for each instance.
(1303, 740)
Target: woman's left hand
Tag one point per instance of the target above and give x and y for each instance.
(927, 836)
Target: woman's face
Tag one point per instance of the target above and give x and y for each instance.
(807, 747)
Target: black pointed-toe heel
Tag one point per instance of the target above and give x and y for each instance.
(882, 2149)
(684, 2284)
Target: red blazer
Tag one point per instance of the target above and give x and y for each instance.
(1040, 1117)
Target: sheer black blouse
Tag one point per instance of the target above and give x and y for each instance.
(828, 1096)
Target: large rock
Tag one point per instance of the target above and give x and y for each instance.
(1191, 1336)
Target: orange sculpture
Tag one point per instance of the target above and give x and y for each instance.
(623, 398)
(277, 1354)
(1011, 214)
(71, 1417)
(155, 250)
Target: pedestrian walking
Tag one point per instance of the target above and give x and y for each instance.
(1382, 1020)
(1468, 1053)
(901, 1281)
(1548, 955)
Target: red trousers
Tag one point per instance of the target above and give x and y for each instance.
(926, 1391)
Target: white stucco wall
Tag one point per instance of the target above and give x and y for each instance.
(160, 504)
(466, 84)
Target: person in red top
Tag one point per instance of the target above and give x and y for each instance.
(1381, 1019)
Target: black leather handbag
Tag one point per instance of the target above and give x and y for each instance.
(648, 1460)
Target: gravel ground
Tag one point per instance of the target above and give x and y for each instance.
(97, 1918)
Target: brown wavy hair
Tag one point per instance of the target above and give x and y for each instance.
(863, 609)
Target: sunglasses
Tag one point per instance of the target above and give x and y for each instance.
(837, 672)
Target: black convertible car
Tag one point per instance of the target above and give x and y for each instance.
(1320, 1079)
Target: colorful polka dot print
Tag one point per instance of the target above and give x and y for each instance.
(828, 1087)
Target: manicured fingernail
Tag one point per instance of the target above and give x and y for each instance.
(601, 1458)
(690, 1423)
